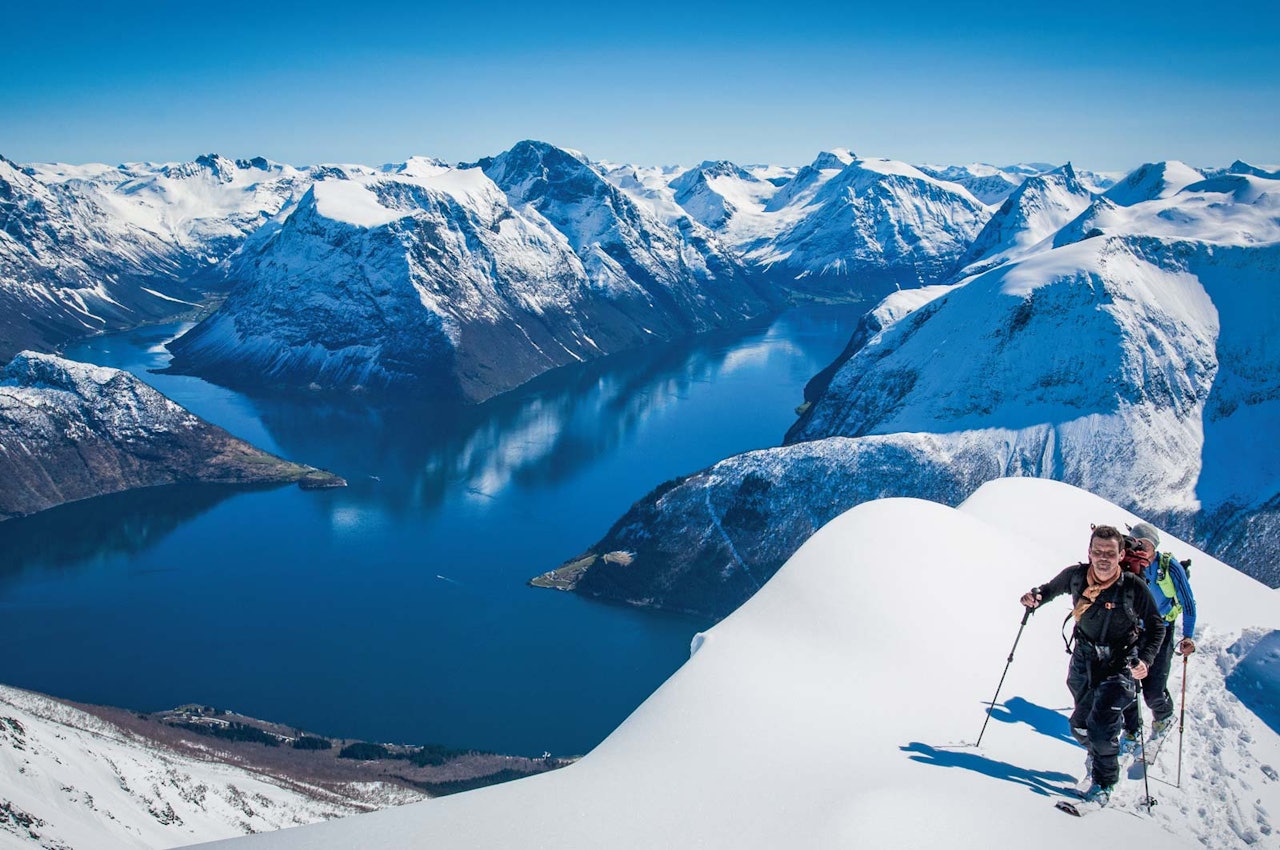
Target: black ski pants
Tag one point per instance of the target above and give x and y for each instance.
(1102, 695)
(1155, 688)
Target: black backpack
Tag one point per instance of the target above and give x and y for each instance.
(1128, 587)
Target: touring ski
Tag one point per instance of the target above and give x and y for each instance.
(1079, 808)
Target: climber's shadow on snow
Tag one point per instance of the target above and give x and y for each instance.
(1046, 721)
(1043, 782)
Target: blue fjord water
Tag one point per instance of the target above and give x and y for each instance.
(396, 609)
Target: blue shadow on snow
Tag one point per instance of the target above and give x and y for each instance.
(1256, 678)
(1046, 721)
(1044, 782)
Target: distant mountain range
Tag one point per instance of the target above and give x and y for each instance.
(459, 280)
(1116, 334)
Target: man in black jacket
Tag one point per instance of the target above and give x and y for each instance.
(1117, 634)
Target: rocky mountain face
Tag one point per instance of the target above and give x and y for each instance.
(1129, 354)
(875, 226)
(85, 249)
(70, 431)
(463, 282)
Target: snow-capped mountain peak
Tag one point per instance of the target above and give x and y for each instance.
(418, 166)
(1270, 172)
(884, 223)
(801, 188)
(1034, 212)
(1151, 181)
(714, 192)
(530, 168)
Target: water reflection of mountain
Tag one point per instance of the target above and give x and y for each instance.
(411, 457)
(119, 524)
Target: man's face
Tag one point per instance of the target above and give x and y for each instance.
(1145, 553)
(1104, 555)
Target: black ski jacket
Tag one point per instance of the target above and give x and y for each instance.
(1122, 620)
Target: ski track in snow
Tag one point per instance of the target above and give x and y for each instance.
(1217, 760)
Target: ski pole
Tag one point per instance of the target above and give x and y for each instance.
(1025, 616)
(1147, 800)
(1182, 713)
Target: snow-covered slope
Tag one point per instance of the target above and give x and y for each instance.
(1140, 364)
(77, 781)
(839, 707)
(95, 247)
(462, 281)
(1032, 213)
(71, 431)
(1151, 347)
(1151, 181)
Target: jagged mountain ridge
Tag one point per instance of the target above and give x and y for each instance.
(841, 224)
(875, 226)
(1033, 212)
(1129, 354)
(463, 282)
(71, 431)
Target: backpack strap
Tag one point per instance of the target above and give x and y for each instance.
(1075, 590)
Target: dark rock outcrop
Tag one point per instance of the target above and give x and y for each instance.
(71, 431)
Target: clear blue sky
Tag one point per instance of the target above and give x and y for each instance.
(1108, 86)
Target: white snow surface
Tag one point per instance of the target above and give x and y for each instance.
(351, 202)
(72, 780)
(839, 707)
